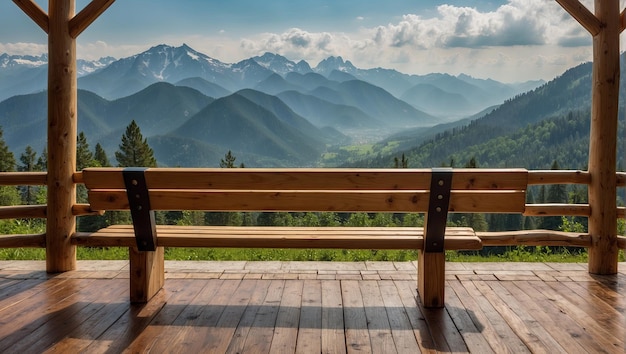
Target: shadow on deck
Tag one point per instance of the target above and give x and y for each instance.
(281, 307)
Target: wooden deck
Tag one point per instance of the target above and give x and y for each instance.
(311, 307)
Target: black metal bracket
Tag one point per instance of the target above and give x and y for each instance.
(434, 233)
(139, 201)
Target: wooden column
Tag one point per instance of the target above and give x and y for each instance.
(62, 130)
(603, 254)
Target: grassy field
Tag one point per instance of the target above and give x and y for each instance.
(513, 254)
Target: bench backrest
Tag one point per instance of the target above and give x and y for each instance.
(309, 189)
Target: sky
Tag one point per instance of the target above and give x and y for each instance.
(505, 40)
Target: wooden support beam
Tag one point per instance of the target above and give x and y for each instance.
(603, 253)
(35, 12)
(62, 132)
(585, 17)
(86, 16)
(622, 21)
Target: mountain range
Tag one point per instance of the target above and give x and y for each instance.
(268, 110)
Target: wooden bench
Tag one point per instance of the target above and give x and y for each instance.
(433, 192)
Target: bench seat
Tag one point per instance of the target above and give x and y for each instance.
(405, 238)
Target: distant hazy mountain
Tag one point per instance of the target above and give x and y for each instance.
(242, 125)
(376, 102)
(113, 79)
(530, 130)
(24, 74)
(326, 114)
(281, 65)
(157, 109)
(206, 87)
(432, 99)
(275, 84)
(478, 93)
(309, 81)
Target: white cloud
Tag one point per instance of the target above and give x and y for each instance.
(504, 43)
(23, 48)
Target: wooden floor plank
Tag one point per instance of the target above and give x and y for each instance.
(531, 324)
(562, 309)
(401, 329)
(553, 321)
(288, 318)
(247, 317)
(592, 329)
(200, 317)
(219, 337)
(465, 320)
(333, 336)
(504, 332)
(517, 325)
(377, 318)
(176, 295)
(18, 323)
(259, 339)
(142, 324)
(357, 335)
(310, 332)
(416, 318)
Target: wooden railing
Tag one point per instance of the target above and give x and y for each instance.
(504, 238)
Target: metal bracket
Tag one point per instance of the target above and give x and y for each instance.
(139, 201)
(435, 229)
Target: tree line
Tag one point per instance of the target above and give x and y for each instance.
(135, 151)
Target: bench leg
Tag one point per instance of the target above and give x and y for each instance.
(147, 273)
(431, 275)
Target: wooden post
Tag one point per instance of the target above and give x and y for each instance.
(431, 278)
(603, 253)
(62, 130)
(147, 273)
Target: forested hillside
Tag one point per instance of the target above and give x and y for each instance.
(531, 130)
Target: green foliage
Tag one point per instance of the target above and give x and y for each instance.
(7, 160)
(9, 195)
(229, 161)
(134, 150)
(84, 157)
(100, 156)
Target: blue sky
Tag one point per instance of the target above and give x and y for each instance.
(507, 40)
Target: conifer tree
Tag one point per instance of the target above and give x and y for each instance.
(42, 161)
(229, 161)
(557, 193)
(134, 150)
(100, 156)
(9, 195)
(84, 157)
(28, 161)
(7, 160)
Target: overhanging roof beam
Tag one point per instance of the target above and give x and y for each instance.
(585, 17)
(86, 16)
(35, 12)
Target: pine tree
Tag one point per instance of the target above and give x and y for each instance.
(42, 161)
(28, 159)
(228, 161)
(557, 193)
(7, 160)
(29, 164)
(100, 156)
(84, 157)
(134, 150)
